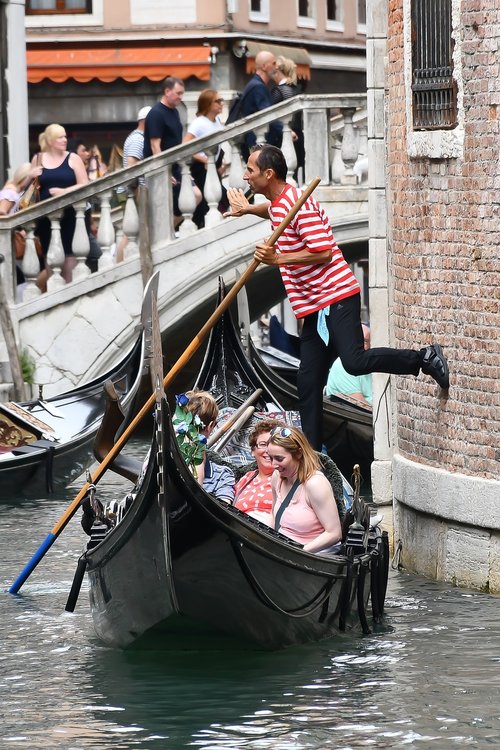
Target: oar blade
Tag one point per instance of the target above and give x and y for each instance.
(31, 565)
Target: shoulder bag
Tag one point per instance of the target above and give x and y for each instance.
(32, 193)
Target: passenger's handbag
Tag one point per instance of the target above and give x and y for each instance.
(32, 193)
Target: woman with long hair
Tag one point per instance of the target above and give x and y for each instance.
(286, 87)
(206, 122)
(304, 505)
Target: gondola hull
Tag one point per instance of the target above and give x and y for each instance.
(46, 466)
(181, 559)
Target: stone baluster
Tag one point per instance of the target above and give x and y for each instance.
(81, 243)
(55, 254)
(131, 227)
(237, 169)
(337, 163)
(117, 219)
(260, 133)
(106, 232)
(288, 150)
(212, 193)
(187, 202)
(30, 265)
(350, 147)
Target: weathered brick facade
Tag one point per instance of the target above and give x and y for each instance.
(434, 269)
(443, 232)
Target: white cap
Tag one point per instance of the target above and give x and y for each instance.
(143, 113)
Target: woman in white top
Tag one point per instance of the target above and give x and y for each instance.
(206, 122)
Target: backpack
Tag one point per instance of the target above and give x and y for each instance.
(235, 108)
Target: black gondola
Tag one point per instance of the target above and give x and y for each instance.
(54, 437)
(181, 561)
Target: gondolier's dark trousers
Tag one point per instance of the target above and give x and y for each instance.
(346, 342)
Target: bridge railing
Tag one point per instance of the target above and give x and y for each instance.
(333, 143)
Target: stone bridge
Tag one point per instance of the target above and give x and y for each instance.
(74, 331)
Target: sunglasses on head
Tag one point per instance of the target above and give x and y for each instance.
(284, 432)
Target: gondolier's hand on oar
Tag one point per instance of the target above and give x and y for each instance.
(266, 254)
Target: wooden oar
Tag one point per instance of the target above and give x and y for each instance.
(146, 409)
(216, 436)
(244, 417)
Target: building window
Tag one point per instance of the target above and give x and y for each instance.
(434, 89)
(307, 13)
(362, 16)
(333, 10)
(47, 7)
(259, 11)
(334, 15)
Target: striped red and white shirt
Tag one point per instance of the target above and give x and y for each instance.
(310, 288)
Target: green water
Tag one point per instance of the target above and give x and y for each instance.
(429, 679)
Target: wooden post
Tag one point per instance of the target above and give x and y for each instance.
(145, 255)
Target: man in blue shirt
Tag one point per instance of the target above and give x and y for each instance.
(163, 130)
(257, 96)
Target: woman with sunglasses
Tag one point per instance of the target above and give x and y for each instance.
(206, 122)
(253, 493)
(304, 505)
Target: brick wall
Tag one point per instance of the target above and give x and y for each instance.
(444, 257)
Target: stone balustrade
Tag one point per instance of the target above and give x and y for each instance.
(333, 133)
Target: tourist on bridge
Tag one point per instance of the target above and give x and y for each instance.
(257, 96)
(163, 130)
(206, 122)
(62, 171)
(322, 290)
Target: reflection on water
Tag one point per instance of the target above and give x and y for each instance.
(429, 679)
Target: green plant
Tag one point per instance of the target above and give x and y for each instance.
(28, 367)
(187, 430)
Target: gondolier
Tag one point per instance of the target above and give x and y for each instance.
(322, 290)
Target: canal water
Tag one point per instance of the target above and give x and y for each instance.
(429, 678)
